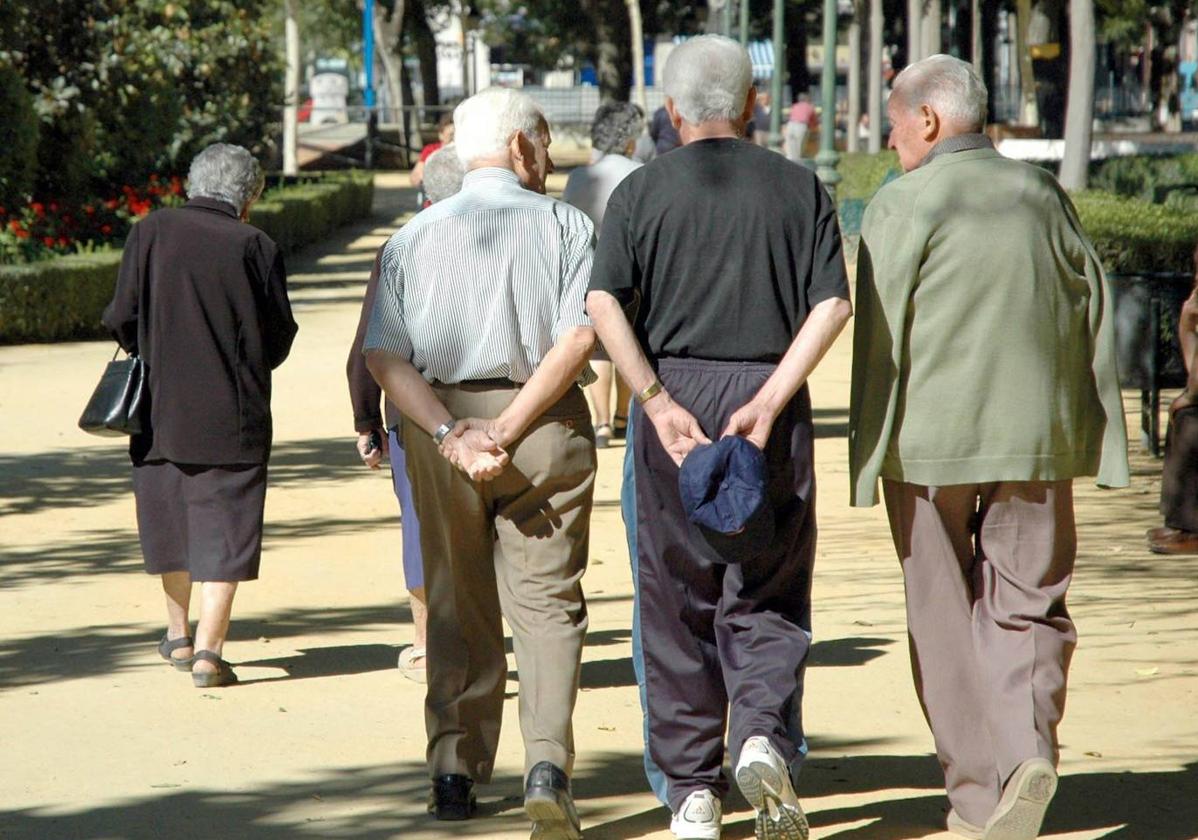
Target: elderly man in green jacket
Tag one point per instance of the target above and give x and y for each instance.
(983, 384)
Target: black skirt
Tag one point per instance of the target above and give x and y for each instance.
(203, 520)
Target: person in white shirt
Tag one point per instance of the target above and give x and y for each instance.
(614, 133)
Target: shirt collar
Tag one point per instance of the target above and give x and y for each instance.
(205, 203)
(958, 143)
(490, 176)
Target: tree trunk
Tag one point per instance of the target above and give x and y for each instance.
(637, 34)
(852, 139)
(933, 19)
(914, 30)
(612, 50)
(388, 28)
(976, 53)
(1029, 112)
(416, 21)
(1079, 113)
(797, 73)
(875, 76)
(291, 84)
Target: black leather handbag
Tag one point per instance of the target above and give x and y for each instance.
(118, 405)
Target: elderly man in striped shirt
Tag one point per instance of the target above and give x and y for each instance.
(480, 338)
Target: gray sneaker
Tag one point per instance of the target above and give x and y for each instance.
(1024, 801)
(764, 779)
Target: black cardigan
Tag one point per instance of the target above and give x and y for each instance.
(202, 297)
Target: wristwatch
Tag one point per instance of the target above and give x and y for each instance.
(652, 391)
(443, 431)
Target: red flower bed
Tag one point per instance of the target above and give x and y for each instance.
(44, 229)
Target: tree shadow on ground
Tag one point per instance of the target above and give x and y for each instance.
(115, 648)
(372, 803)
(90, 476)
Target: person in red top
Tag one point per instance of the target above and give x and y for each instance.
(444, 138)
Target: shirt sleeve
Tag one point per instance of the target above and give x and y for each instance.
(364, 393)
(387, 330)
(577, 261)
(616, 270)
(828, 278)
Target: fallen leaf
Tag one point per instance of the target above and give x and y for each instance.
(1147, 672)
(1093, 754)
(607, 728)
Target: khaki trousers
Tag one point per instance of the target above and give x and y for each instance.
(986, 568)
(516, 545)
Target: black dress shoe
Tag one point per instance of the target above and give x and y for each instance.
(452, 797)
(548, 803)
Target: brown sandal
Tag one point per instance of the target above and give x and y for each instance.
(223, 675)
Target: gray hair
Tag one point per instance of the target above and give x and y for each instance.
(486, 122)
(949, 86)
(708, 78)
(443, 174)
(616, 124)
(227, 173)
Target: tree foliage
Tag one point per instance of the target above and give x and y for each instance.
(125, 88)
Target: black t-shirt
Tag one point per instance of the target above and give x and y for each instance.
(728, 245)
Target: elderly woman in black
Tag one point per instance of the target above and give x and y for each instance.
(202, 297)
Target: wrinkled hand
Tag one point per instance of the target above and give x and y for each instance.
(473, 452)
(1183, 400)
(753, 422)
(677, 429)
(372, 457)
(1187, 319)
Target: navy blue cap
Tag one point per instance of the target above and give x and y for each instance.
(724, 491)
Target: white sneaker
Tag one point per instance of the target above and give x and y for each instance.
(763, 778)
(1024, 801)
(698, 818)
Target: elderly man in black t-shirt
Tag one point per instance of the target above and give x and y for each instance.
(735, 255)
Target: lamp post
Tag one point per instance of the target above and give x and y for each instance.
(826, 160)
(775, 140)
(744, 22)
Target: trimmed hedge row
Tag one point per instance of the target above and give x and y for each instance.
(1135, 237)
(62, 299)
(58, 299)
(297, 215)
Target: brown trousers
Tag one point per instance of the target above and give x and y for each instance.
(986, 568)
(516, 545)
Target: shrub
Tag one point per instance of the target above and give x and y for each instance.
(58, 299)
(862, 175)
(62, 298)
(18, 138)
(1135, 237)
(1139, 176)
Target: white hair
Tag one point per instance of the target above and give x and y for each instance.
(708, 78)
(486, 122)
(949, 86)
(227, 173)
(443, 174)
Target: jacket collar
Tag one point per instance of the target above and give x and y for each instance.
(959, 143)
(204, 203)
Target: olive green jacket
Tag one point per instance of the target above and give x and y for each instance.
(983, 342)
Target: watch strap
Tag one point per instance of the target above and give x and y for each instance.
(443, 431)
(651, 391)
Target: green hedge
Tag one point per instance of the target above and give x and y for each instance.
(58, 299)
(62, 299)
(294, 216)
(862, 175)
(1136, 237)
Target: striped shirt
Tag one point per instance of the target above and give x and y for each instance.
(482, 284)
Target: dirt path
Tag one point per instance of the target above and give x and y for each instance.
(99, 739)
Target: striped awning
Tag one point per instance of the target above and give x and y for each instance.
(761, 54)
